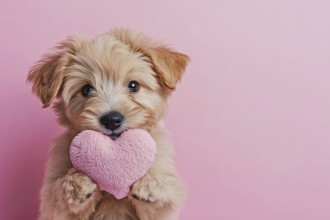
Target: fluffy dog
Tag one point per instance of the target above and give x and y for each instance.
(116, 81)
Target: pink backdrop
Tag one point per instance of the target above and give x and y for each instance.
(250, 121)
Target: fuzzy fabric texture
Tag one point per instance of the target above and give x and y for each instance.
(113, 165)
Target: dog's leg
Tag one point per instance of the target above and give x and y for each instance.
(73, 197)
(159, 194)
(66, 194)
(78, 193)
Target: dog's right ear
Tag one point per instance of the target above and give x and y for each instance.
(47, 75)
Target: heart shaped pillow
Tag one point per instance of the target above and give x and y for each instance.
(113, 165)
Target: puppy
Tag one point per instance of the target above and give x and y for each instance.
(116, 81)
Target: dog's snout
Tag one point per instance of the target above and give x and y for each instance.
(112, 120)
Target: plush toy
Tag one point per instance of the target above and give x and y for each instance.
(113, 165)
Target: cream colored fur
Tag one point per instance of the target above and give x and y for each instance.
(108, 62)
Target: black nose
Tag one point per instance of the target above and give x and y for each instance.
(112, 120)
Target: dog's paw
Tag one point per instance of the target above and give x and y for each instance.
(150, 189)
(79, 190)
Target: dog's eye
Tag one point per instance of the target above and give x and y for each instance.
(87, 90)
(133, 86)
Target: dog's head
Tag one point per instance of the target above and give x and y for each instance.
(113, 82)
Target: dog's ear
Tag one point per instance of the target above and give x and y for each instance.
(47, 75)
(168, 64)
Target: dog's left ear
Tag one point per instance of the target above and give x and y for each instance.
(168, 64)
(47, 75)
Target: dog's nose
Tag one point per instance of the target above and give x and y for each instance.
(112, 120)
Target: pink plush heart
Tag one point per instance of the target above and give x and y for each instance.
(113, 165)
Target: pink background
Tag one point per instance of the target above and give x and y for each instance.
(250, 121)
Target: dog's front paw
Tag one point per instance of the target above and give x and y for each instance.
(150, 189)
(79, 191)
